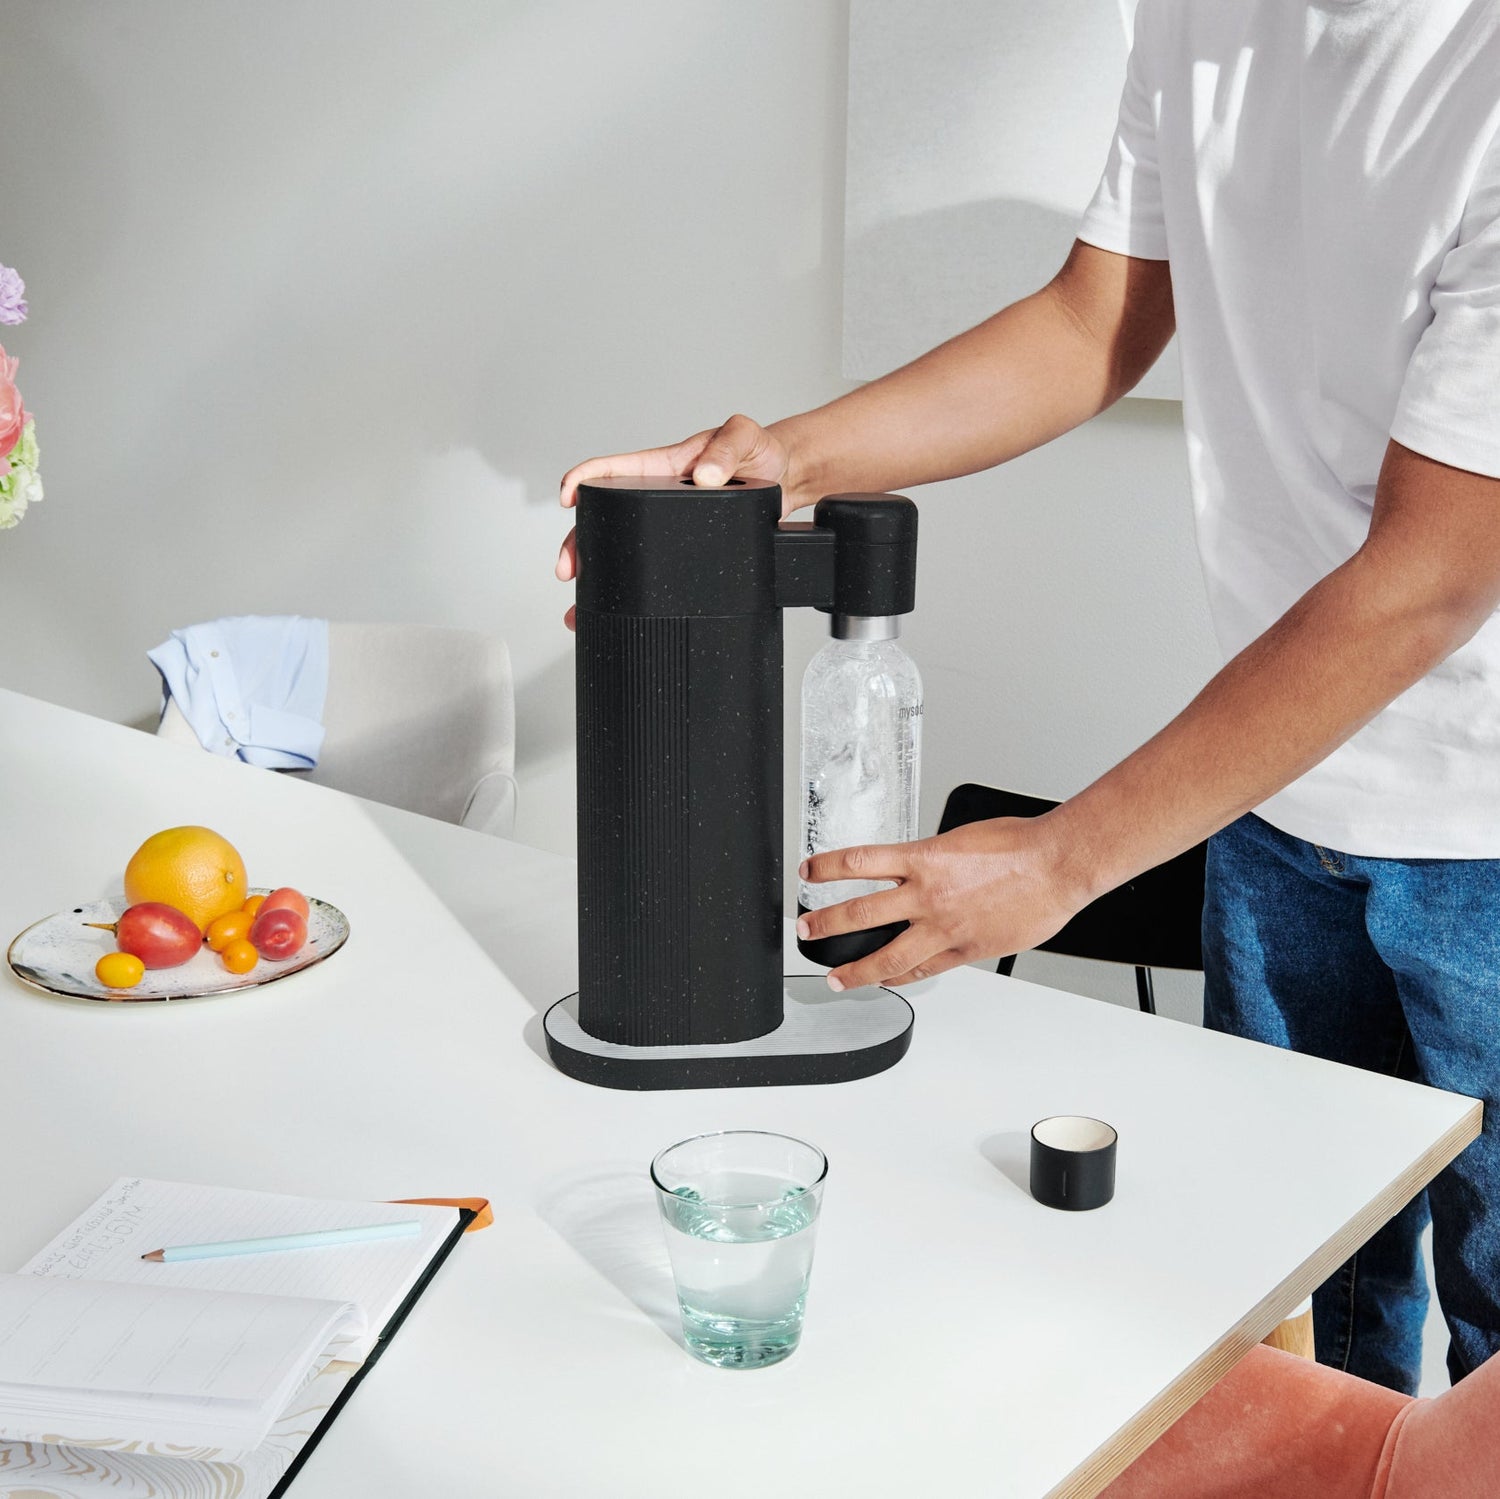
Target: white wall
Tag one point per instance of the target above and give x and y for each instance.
(326, 296)
(943, 216)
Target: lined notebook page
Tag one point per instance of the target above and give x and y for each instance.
(136, 1215)
(88, 1335)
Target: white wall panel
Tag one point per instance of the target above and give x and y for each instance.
(977, 133)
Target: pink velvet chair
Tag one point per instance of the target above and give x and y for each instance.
(1279, 1427)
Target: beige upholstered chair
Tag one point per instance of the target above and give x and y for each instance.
(417, 716)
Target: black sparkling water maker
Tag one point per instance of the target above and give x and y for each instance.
(679, 694)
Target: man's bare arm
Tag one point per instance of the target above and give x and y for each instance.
(1425, 580)
(1035, 370)
(1028, 374)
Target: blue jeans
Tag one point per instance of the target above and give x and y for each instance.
(1392, 965)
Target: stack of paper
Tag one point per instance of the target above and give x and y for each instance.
(138, 1378)
(169, 1365)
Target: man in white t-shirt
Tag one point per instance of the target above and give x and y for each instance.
(1310, 193)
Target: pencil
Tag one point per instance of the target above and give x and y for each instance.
(318, 1239)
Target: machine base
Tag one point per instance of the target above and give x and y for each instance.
(823, 1038)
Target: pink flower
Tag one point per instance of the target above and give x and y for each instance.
(12, 412)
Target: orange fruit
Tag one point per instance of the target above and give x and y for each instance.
(119, 970)
(239, 956)
(191, 868)
(223, 930)
(253, 905)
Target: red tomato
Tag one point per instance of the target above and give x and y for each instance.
(278, 932)
(286, 898)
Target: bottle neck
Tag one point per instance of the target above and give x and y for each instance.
(865, 626)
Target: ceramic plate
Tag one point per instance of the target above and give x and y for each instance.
(58, 955)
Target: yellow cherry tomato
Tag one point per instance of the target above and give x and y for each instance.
(239, 956)
(230, 928)
(253, 905)
(120, 970)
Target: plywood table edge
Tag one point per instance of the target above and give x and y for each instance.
(1106, 1464)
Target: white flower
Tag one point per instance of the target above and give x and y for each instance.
(22, 486)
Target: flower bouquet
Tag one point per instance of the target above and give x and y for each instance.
(20, 485)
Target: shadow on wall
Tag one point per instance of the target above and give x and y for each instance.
(913, 281)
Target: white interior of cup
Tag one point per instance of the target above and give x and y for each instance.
(1074, 1132)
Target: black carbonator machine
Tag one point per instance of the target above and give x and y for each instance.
(680, 596)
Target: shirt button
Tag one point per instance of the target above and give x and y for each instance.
(214, 654)
(229, 744)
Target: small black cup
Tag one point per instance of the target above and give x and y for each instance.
(1073, 1162)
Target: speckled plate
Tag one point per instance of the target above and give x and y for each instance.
(58, 955)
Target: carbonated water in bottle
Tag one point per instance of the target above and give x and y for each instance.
(861, 748)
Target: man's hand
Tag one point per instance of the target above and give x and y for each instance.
(1425, 580)
(981, 891)
(740, 449)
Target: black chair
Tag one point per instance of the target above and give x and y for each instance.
(1152, 921)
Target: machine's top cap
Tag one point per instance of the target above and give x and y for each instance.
(875, 553)
(871, 519)
(665, 484)
(663, 547)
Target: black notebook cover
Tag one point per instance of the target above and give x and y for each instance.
(465, 1217)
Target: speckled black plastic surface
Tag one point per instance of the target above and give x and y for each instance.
(847, 947)
(824, 1038)
(1075, 1181)
(679, 695)
(875, 552)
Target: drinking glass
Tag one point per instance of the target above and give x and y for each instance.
(740, 1211)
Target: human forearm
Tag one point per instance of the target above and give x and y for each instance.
(1031, 372)
(1427, 577)
(1026, 375)
(1327, 666)
(1019, 379)
(1347, 648)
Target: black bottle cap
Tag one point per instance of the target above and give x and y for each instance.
(847, 947)
(1073, 1162)
(875, 552)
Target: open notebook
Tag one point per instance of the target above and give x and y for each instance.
(124, 1376)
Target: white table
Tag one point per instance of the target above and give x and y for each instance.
(961, 1339)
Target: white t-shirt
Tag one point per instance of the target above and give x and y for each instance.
(1325, 180)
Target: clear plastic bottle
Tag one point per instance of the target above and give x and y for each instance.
(861, 748)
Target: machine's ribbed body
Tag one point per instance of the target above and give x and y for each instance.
(680, 595)
(679, 767)
(632, 827)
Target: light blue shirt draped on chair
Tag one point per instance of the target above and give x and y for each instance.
(252, 687)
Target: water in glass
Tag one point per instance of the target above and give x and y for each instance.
(741, 1271)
